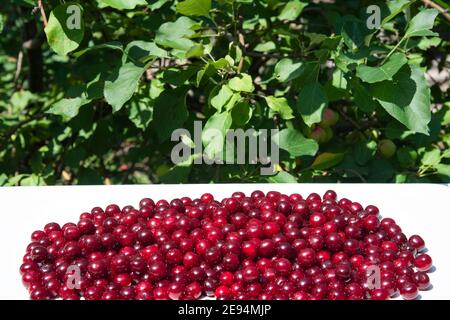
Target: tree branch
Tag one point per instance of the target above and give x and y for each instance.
(353, 122)
(21, 124)
(19, 64)
(438, 7)
(44, 16)
(32, 45)
(242, 45)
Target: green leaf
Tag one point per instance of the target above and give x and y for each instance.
(124, 80)
(292, 10)
(68, 107)
(395, 7)
(3, 179)
(333, 42)
(169, 112)
(241, 114)
(122, 84)
(406, 156)
(122, 4)
(177, 174)
(158, 4)
(280, 106)
(28, 3)
(21, 99)
(406, 98)
(242, 83)
(396, 130)
(295, 143)
(381, 170)
(94, 89)
(339, 81)
(282, 177)
(431, 158)
(446, 119)
(309, 74)
(141, 51)
(346, 61)
(197, 50)
(422, 23)
(364, 151)
(177, 34)
(426, 43)
(180, 172)
(194, 7)
(311, 103)
(88, 176)
(446, 154)
(286, 70)
(443, 169)
(141, 112)
(353, 31)
(315, 38)
(15, 180)
(235, 98)
(74, 156)
(327, 160)
(114, 45)
(65, 28)
(211, 68)
(362, 96)
(2, 24)
(401, 178)
(33, 180)
(335, 94)
(265, 47)
(214, 133)
(384, 72)
(178, 77)
(223, 96)
(219, 63)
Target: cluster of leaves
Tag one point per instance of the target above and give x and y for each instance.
(94, 96)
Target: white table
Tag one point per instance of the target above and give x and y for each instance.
(418, 208)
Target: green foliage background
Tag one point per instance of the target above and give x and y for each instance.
(97, 104)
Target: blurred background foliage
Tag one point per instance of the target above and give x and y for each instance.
(97, 104)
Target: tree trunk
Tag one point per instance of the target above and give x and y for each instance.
(32, 45)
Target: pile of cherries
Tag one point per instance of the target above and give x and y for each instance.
(266, 246)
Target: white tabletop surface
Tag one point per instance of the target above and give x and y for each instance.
(418, 208)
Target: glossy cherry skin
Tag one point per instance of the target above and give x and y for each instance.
(423, 262)
(175, 290)
(416, 242)
(39, 293)
(334, 241)
(306, 257)
(421, 279)
(266, 246)
(379, 294)
(38, 253)
(409, 291)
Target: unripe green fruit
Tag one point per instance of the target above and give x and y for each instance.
(162, 170)
(330, 118)
(319, 134)
(373, 133)
(387, 148)
(329, 134)
(406, 156)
